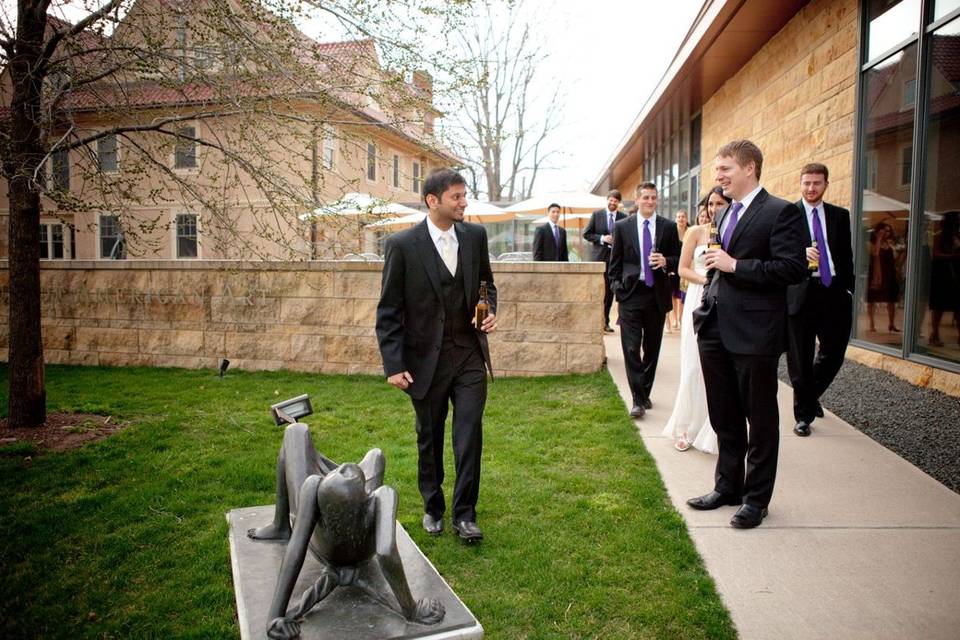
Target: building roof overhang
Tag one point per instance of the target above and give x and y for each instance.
(724, 36)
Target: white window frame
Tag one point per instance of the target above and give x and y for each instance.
(100, 255)
(395, 181)
(196, 150)
(99, 167)
(67, 249)
(175, 253)
(368, 164)
(908, 99)
(870, 176)
(901, 164)
(329, 145)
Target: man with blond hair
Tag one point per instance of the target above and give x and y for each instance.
(741, 331)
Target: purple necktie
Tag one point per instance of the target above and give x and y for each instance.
(734, 216)
(647, 244)
(825, 276)
(610, 222)
(556, 235)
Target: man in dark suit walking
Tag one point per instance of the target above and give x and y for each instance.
(599, 233)
(432, 349)
(741, 331)
(646, 248)
(550, 240)
(820, 307)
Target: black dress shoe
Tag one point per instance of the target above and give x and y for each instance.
(638, 411)
(647, 404)
(433, 526)
(608, 329)
(802, 429)
(467, 531)
(819, 411)
(713, 500)
(748, 517)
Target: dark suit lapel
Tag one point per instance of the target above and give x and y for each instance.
(658, 234)
(634, 235)
(427, 253)
(466, 263)
(832, 220)
(806, 227)
(747, 218)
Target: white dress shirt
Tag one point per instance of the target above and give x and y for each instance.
(747, 200)
(653, 240)
(808, 208)
(436, 233)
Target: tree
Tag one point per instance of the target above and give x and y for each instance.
(196, 100)
(506, 110)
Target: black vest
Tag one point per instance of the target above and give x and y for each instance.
(457, 329)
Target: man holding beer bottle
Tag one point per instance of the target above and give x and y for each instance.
(433, 341)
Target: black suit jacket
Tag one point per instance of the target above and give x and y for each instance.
(545, 247)
(627, 253)
(837, 222)
(410, 314)
(751, 303)
(596, 230)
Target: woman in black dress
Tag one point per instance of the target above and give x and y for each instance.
(945, 274)
(882, 282)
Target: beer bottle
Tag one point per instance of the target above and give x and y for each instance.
(483, 305)
(714, 241)
(813, 265)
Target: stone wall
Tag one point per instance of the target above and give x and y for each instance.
(316, 316)
(795, 98)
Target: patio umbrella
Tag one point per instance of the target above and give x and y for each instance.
(400, 222)
(566, 221)
(360, 207)
(482, 212)
(569, 201)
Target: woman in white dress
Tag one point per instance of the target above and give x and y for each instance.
(689, 423)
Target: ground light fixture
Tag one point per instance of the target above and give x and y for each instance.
(290, 411)
(224, 363)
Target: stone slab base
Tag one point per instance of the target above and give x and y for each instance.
(348, 612)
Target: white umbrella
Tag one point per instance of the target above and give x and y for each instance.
(873, 201)
(359, 204)
(570, 201)
(481, 212)
(402, 221)
(566, 221)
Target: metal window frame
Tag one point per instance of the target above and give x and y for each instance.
(910, 330)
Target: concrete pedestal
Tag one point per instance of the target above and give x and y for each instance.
(348, 612)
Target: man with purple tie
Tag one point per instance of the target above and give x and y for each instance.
(741, 331)
(550, 240)
(646, 248)
(599, 233)
(821, 307)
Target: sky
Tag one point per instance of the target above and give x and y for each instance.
(610, 55)
(606, 55)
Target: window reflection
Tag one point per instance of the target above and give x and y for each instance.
(938, 275)
(891, 22)
(886, 162)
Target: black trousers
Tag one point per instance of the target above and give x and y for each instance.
(607, 296)
(460, 379)
(741, 389)
(826, 316)
(641, 332)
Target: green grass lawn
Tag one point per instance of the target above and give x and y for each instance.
(126, 538)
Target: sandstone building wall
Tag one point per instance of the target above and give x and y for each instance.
(312, 316)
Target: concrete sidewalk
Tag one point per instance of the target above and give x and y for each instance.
(859, 543)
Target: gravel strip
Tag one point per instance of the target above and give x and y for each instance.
(920, 425)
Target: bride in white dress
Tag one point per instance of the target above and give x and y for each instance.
(689, 423)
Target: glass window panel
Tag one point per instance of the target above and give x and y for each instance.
(187, 235)
(44, 243)
(684, 150)
(112, 245)
(675, 157)
(56, 241)
(60, 170)
(695, 126)
(943, 7)
(891, 22)
(329, 148)
(416, 177)
(396, 171)
(887, 130)
(938, 274)
(371, 161)
(107, 153)
(185, 149)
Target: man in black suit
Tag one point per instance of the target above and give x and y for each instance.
(741, 331)
(431, 347)
(646, 248)
(821, 307)
(550, 240)
(600, 234)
